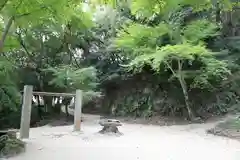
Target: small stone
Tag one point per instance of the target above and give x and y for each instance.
(40, 148)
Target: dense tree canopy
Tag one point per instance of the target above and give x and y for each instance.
(138, 58)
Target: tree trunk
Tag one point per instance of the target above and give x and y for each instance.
(66, 102)
(184, 89)
(66, 110)
(39, 107)
(5, 33)
(48, 104)
(56, 106)
(218, 13)
(186, 97)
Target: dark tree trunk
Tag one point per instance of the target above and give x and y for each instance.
(48, 104)
(66, 102)
(40, 108)
(218, 13)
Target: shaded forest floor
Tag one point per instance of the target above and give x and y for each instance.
(228, 125)
(140, 141)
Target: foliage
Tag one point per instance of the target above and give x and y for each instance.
(180, 54)
(71, 78)
(200, 30)
(25, 14)
(146, 46)
(147, 9)
(9, 95)
(212, 74)
(160, 48)
(146, 57)
(137, 35)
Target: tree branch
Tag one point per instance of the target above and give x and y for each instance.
(173, 72)
(29, 13)
(5, 33)
(42, 7)
(21, 42)
(3, 5)
(7, 28)
(179, 65)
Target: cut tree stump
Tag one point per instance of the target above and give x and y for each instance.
(10, 145)
(110, 126)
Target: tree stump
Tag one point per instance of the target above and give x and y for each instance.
(9, 144)
(110, 126)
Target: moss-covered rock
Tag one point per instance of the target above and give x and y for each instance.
(10, 145)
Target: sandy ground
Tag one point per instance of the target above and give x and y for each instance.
(139, 142)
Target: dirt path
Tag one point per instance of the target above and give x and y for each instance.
(139, 142)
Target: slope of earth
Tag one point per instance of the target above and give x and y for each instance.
(228, 128)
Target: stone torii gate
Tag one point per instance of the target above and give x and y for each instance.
(27, 106)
